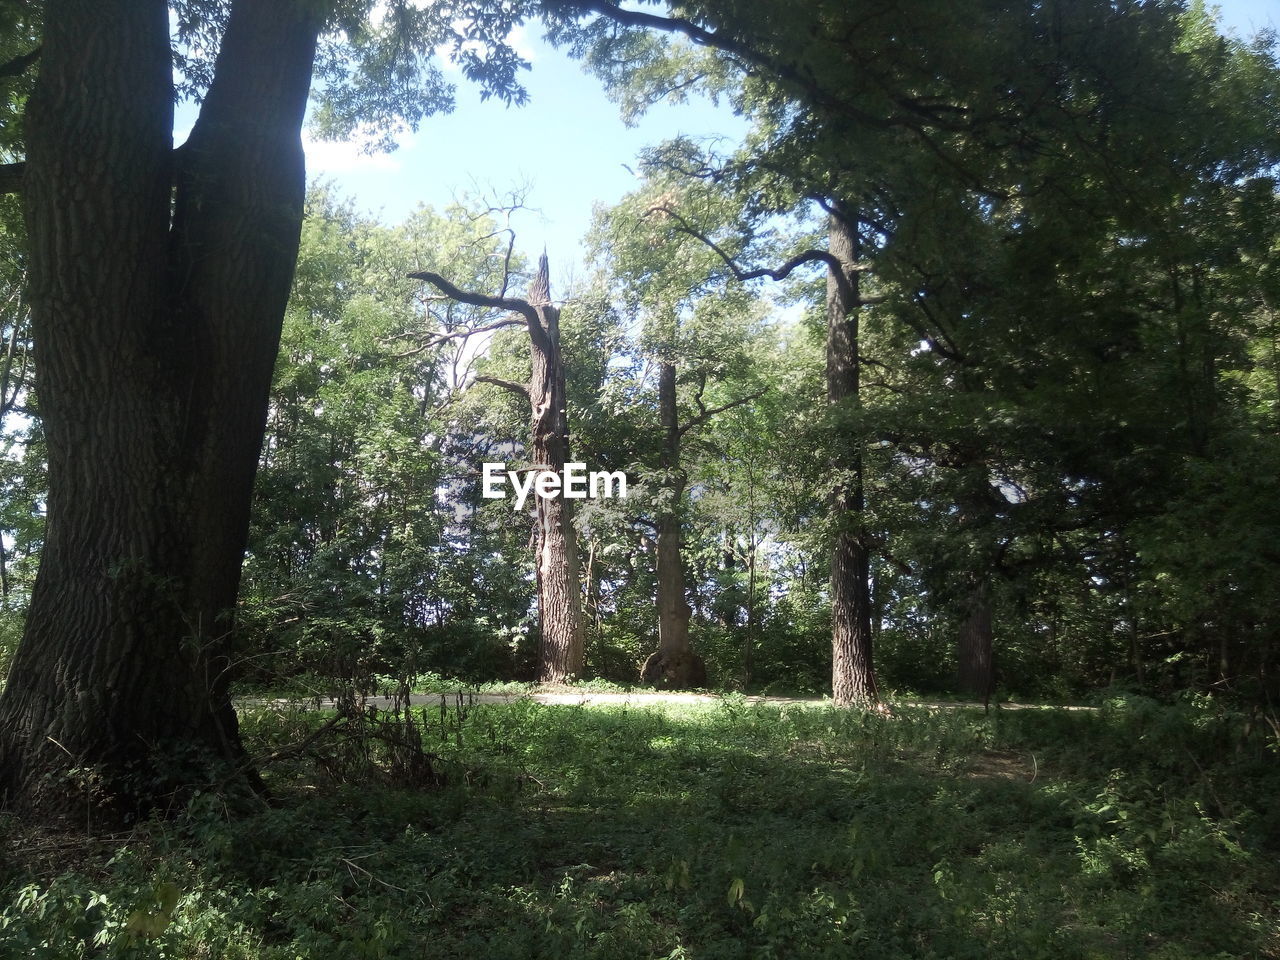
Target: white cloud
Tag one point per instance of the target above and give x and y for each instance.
(517, 39)
(324, 156)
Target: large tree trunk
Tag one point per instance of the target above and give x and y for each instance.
(976, 665)
(853, 680)
(974, 649)
(559, 592)
(674, 665)
(154, 342)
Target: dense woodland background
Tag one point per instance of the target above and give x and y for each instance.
(960, 376)
(1066, 418)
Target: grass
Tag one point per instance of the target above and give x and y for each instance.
(715, 831)
(308, 687)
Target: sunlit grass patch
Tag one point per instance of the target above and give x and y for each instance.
(710, 830)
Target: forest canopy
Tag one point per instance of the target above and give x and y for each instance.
(1030, 421)
(957, 379)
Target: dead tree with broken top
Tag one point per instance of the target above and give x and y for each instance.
(560, 651)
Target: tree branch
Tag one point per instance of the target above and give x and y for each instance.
(18, 65)
(717, 40)
(917, 115)
(949, 350)
(779, 274)
(514, 304)
(881, 546)
(438, 338)
(293, 749)
(539, 291)
(708, 414)
(511, 385)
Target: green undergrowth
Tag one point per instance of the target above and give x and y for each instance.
(308, 687)
(715, 831)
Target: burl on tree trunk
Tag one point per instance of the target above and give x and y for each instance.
(157, 299)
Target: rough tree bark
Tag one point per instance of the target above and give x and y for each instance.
(156, 318)
(674, 665)
(976, 666)
(560, 653)
(853, 680)
(561, 644)
(976, 504)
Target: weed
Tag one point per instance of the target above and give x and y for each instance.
(717, 830)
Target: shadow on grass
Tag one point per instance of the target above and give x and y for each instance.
(738, 831)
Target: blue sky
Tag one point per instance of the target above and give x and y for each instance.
(1250, 16)
(567, 147)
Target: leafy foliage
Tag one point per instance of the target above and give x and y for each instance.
(357, 564)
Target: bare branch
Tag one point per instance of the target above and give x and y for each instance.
(514, 304)
(292, 750)
(781, 273)
(708, 414)
(506, 262)
(511, 385)
(463, 334)
(436, 339)
(777, 273)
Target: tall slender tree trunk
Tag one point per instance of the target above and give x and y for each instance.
(976, 664)
(749, 638)
(975, 655)
(156, 318)
(853, 680)
(1135, 644)
(559, 591)
(591, 586)
(674, 666)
